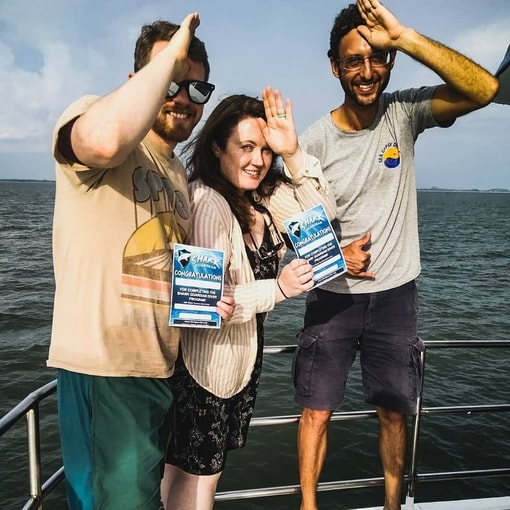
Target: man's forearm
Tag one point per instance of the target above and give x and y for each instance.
(458, 71)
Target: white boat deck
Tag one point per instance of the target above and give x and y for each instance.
(502, 503)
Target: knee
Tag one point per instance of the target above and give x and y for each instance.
(315, 419)
(391, 419)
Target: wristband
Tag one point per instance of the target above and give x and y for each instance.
(281, 290)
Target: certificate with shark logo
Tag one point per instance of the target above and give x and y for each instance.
(197, 284)
(314, 240)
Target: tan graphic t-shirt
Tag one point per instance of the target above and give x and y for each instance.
(113, 236)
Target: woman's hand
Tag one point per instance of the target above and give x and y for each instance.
(295, 278)
(225, 307)
(279, 129)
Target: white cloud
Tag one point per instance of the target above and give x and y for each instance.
(32, 98)
(53, 51)
(485, 44)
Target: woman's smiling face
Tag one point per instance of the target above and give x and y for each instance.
(247, 157)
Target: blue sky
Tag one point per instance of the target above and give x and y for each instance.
(53, 51)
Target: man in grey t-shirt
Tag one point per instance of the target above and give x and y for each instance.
(366, 149)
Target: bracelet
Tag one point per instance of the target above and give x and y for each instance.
(281, 290)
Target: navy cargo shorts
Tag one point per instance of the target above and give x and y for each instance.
(383, 325)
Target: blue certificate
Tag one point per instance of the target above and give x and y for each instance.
(314, 240)
(197, 284)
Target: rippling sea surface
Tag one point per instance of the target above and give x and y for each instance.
(464, 295)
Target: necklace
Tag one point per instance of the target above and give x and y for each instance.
(257, 229)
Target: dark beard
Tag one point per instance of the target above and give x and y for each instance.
(170, 134)
(349, 93)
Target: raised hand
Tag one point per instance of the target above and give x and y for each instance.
(180, 42)
(382, 28)
(279, 129)
(357, 257)
(295, 278)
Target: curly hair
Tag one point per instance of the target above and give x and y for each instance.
(345, 21)
(163, 31)
(204, 165)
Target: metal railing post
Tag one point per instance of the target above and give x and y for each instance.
(34, 455)
(413, 460)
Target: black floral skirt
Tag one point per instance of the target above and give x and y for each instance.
(205, 427)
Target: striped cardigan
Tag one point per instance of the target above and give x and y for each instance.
(222, 360)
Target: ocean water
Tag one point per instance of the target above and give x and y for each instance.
(464, 295)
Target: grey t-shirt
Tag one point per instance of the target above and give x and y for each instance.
(371, 174)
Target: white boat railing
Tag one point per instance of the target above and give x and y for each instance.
(29, 407)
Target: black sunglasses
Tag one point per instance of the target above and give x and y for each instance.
(199, 92)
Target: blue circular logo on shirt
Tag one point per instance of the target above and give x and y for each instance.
(391, 157)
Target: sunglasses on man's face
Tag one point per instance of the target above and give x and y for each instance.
(199, 92)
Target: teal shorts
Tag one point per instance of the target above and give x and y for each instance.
(113, 432)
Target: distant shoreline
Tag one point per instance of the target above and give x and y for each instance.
(27, 180)
(455, 190)
(432, 189)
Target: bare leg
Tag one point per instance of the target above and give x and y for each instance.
(184, 491)
(392, 449)
(312, 446)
